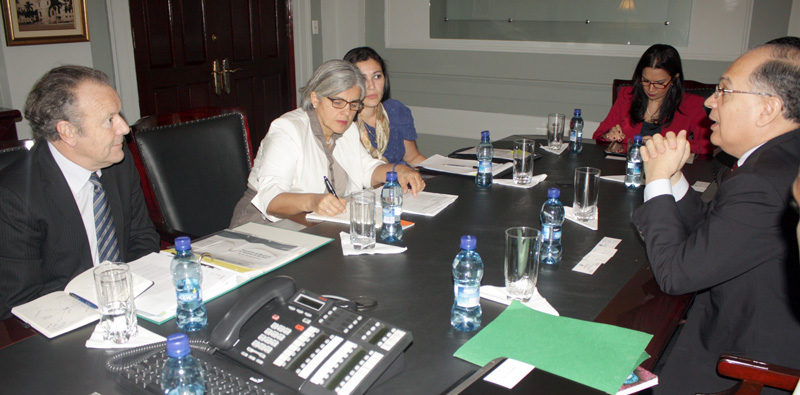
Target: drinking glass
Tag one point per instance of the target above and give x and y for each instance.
(555, 130)
(523, 245)
(362, 220)
(114, 288)
(587, 189)
(523, 161)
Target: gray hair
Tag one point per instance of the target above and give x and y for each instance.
(780, 75)
(52, 99)
(331, 78)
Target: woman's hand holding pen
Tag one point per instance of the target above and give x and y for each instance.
(329, 205)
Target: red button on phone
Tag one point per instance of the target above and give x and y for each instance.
(275, 317)
(299, 327)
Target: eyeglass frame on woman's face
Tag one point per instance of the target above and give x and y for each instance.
(339, 103)
(657, 85)
(718, 89)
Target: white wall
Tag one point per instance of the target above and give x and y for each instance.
(25, 64)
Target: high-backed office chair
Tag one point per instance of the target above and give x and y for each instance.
(755, 375)
(194, 167)
(11, 150)
(698, 88)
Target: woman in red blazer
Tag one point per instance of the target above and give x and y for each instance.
(656, 103)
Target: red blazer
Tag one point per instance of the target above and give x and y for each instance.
(691, 116)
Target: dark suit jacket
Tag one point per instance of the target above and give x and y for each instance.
(43, 242)
(739, 253)
(691, 116)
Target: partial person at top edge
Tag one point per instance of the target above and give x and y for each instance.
(386, 125)
(657, 103)
(316, 141)
(75, 199)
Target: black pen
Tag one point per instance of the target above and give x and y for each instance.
(464, 166)
(329, 186)
(84, 301)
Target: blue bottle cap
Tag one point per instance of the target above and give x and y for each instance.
(553, 193)
(177, 345)
(183, 243)
(468, 242)
(391, 176)
(485, 134)
(637, 138)
(577, 111)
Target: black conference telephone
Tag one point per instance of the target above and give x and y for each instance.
(279, 340)
(306, 342)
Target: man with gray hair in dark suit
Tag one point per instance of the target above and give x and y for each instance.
(75, 199)
(738, 253)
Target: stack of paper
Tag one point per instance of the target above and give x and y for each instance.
(462, 167)
(425, 203)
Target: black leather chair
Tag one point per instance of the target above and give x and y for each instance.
(12, 150)
(194, 167)
(698, 88)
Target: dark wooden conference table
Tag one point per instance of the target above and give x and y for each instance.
(414, 290)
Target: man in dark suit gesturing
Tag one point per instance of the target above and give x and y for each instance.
(75, 199)
(739, 252)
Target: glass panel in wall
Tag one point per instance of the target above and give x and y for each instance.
(638, 22)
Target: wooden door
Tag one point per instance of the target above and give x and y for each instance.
(215, 53)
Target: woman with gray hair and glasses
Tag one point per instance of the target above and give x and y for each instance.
(312, 146)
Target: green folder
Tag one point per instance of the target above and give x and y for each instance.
(598, 355)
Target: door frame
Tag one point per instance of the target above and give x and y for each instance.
(119, 21)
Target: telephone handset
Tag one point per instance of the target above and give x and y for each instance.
(304, 341)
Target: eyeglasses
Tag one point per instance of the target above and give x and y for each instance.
(355, 105)
(657, 85)
(718, 90)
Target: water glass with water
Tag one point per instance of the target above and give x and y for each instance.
(523, 161)
(362, 220)
(555, 130)
(115, 301)
(523, 245)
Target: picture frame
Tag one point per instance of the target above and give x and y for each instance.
(32, 22)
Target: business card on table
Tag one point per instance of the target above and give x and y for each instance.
(600, 254)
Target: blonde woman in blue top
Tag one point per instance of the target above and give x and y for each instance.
(386, 125)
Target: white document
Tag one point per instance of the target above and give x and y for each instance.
(159, 303)
(509, 373)
(499, 153)
(425, 203)
(462, 167)
(55, 314)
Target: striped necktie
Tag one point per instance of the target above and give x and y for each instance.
(107, 249)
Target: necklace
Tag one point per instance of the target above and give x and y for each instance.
(652, 117)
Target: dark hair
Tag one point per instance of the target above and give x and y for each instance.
(361, 54)
(53, 99)
(788, 41)
(664, 57)
(780, 75)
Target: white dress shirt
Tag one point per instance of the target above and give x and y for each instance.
(83, 191)
(289, 160)
(664, 187)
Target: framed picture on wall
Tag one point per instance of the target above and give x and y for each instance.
(30, 22)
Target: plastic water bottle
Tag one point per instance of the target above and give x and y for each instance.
(392, 202)
(485, 153)
(182, 375)
(552, 217)
(576, 132)
(466, 313)
(633, 173)
(188, 277)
